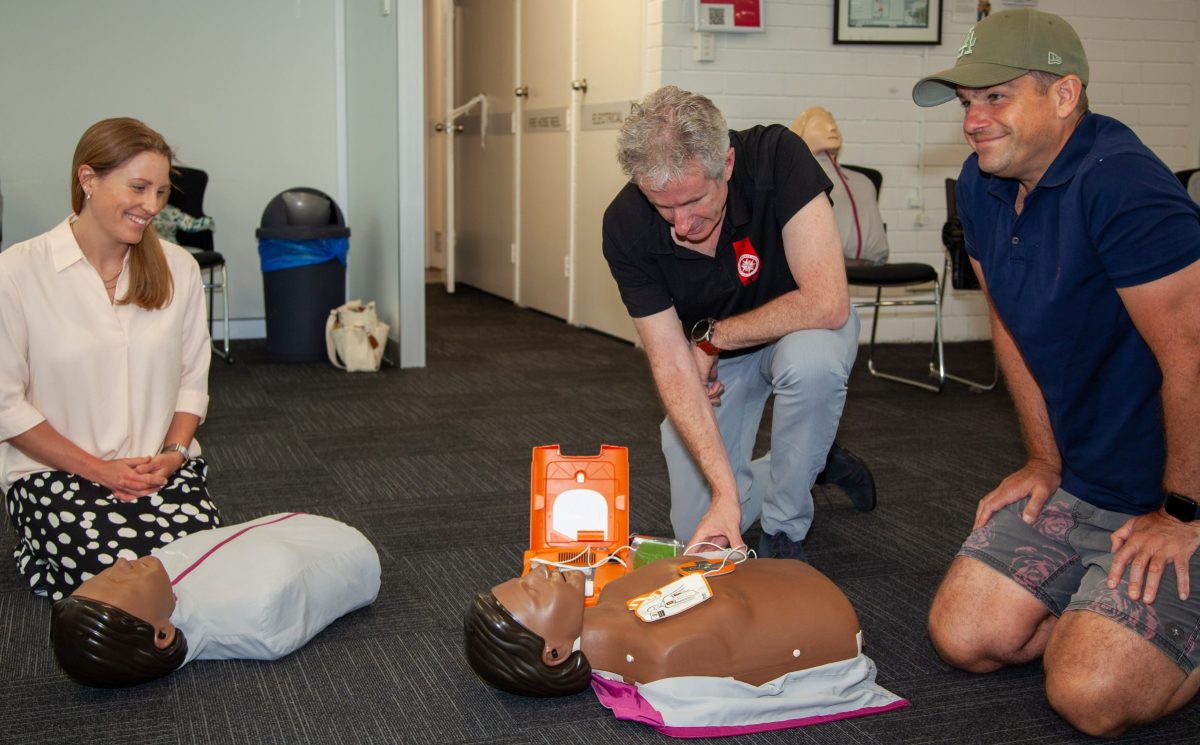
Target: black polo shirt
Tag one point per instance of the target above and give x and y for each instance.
(774, 175)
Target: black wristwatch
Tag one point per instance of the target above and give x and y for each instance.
(702, 334)
(1180, 507)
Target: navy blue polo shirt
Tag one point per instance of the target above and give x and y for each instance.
(1107, 214)
(774, 175)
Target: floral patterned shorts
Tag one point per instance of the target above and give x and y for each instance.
(1063, 560)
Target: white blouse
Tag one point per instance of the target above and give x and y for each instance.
(107, 377)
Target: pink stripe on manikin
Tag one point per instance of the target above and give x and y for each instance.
(853, 204)
(209, 552)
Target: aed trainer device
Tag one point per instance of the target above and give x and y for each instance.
(579, 513)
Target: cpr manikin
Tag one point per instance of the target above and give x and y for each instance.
(855, 202)
(258, 590)
(777, 645)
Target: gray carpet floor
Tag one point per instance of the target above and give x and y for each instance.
(433, 466)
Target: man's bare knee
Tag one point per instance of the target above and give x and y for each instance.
(1082, 658)
(981, 621)
(953, 640)
(1091, 703)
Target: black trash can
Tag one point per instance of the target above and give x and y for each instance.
(302, 242)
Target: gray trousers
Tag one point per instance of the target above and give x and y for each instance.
(807, 371)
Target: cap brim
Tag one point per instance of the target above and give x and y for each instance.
(940, 87)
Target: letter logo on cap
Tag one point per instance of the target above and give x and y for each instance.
(1053, 59)
(968, 44)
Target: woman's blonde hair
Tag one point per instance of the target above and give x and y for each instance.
(108, 145)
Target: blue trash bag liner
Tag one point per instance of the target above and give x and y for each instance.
(280, 254)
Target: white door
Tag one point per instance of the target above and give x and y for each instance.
(609, 51)
(436, 105)
(484, 204)
(543, 194)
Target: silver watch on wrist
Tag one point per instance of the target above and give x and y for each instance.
(175, 447)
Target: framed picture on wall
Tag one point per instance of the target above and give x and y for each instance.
(887, 21)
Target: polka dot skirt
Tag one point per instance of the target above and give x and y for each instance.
(70, 529)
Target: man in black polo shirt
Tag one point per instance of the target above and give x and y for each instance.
(708, 244)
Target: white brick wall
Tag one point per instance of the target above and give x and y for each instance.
(1145, 60)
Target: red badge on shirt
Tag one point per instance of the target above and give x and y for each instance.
(748, 262)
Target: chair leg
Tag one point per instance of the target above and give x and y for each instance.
(225, 316)
(223, 351)
(208, 298)
(937, 367)
(938, 373)
(974, 385)
(874, 328)
(977, 386)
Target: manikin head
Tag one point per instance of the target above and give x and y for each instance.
(519, 636)
(115, 629)
(819, 131)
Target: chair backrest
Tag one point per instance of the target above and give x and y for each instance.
(187, 193)
(962, 274)
(1190, 178)
(875, 176)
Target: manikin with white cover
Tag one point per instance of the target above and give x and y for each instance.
(258, 590)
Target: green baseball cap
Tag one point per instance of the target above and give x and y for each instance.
(1005, 46)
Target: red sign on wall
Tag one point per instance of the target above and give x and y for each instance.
(729, 15)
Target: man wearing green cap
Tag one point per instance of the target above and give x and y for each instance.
(1088, 250)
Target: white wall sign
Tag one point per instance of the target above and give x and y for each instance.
(545, 120)
(604, 115)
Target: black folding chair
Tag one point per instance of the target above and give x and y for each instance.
(187, 193)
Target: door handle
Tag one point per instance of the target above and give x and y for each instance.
(521, 91)
(579, 85)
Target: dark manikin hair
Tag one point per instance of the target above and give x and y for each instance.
(508, 656)
(100, 645)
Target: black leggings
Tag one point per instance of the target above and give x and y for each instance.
(70, 529)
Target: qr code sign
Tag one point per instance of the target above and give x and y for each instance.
(715, 16)
(732, 15)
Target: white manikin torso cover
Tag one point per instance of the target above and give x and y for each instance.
(261, 589)
(699, 706)
(864, 209)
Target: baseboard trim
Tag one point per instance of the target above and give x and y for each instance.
(240, 328)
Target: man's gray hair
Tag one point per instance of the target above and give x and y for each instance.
(666, 133)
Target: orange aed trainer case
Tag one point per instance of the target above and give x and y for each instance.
(579, 511)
